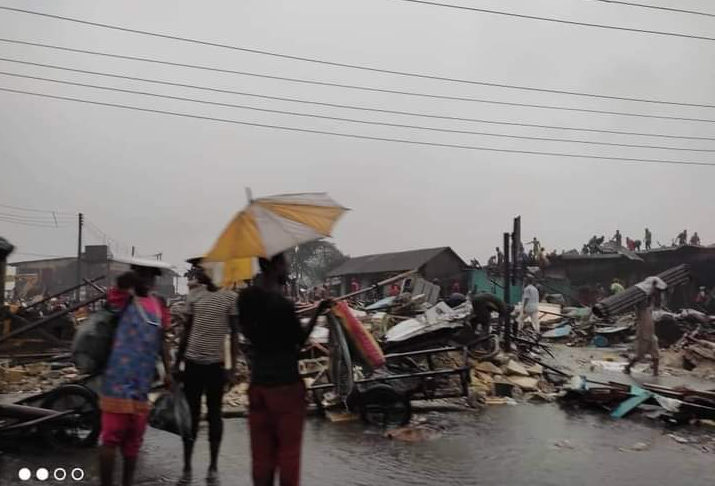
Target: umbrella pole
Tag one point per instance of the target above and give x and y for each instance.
(382, 283)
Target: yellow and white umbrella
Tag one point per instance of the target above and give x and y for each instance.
(271, 225)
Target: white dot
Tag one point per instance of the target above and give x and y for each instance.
(42, 474)
(79, 476)
(24, 474)
(60, 474)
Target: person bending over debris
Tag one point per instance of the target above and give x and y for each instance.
(277, 404)
(530, 306)
(211, 314)
(646, 340)
(483, 304)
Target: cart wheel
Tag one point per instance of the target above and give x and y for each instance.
(383, 406)
(85, 426)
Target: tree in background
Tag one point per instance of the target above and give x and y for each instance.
(310, 262)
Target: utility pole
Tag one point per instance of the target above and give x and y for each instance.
(80, 224)
(517, 261)
(507, 297)
(133, 250)
(5, 249)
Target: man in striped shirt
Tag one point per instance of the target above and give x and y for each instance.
(212, 313)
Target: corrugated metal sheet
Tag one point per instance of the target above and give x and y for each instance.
(388, 262)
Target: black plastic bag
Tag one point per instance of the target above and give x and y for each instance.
(171, 413)
(92, 344)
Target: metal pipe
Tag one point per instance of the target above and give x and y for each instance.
(426, 351)
(62, 292)
(507, 295)
(382, 283)
(47, 319)
(630, 297)
(420, 374)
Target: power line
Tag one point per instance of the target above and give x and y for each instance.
(36, 219)
(338, 105)
(106, 237)
(355, 136)
(371, 68)
(656, 7)
(353, 120)
(560, 21)
(34, 210)
(454, 98)
(30, 223)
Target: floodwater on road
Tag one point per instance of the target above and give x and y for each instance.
(527, 444)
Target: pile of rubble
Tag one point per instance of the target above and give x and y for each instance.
(695, 351)
(35, 377)
(505, 379)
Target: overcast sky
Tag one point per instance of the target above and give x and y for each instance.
(169, 184)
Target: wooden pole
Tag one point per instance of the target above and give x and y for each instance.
(80, 223)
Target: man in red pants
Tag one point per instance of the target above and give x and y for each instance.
(277, 393)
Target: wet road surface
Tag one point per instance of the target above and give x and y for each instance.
(527, 444)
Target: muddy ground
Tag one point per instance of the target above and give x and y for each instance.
(525, 444)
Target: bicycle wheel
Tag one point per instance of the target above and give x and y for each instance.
(78, 429)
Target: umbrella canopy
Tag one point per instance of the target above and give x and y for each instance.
(271, 225)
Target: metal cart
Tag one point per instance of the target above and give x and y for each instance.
(384, 397)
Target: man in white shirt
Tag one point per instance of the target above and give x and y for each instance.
(530, 306)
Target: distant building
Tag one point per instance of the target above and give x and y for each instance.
(582, 271)
(52, 275)
(441, 264)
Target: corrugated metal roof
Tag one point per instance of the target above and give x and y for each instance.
(388, 262)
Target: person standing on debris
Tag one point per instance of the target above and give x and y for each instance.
(530, 306)
(648, 239)
(618, 238)
(646, 340)
(637, 245)
(354, 285)
(695, 239)
(130, 369)
(536, 245)
(211, 315)
(500, 256)
(683, 238)
(616, 287)
(277, 396)
(702, 297)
